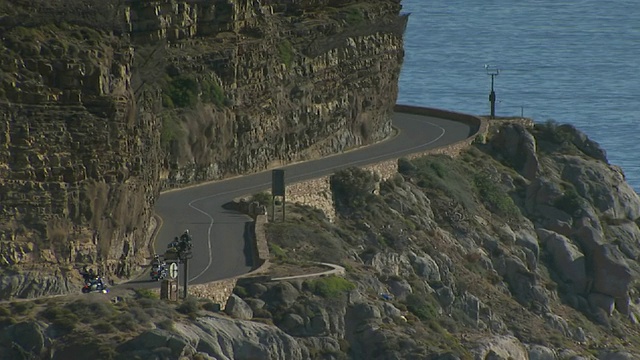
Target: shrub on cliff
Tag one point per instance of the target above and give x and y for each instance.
(330, 286)
(62, 318)
(213, 93)
(441, 174)
(494, 197)
(181, 91)
(285, 50)
(352, 188)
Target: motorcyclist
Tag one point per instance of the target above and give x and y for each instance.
(86, 274)
(186, 237)
(156, 261)
(174, 243)
(185, 241)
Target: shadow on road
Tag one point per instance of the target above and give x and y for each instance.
(139, 281)
(249, 248)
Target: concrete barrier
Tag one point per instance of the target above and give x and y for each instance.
(476, 123)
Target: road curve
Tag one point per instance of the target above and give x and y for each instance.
(220, 241)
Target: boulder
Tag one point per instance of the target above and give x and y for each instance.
(445, 295)
(227, 339)
(363, 312)
(281, 294)
(557, 322)
(541, 191)
(237, 308)
(28, 335)
(425, 267)
(568, 260)
(391, 263)
(627, 236)
(501, 347)
(579, 335)
(391, 311)
(506, 234)
(399, 288)
(322, 345)
(604, 187)
(319, 323)
(255, 304)
(602, 301)
(583, 143)
(529, 241)
(292, 324)
(155, 339)
(516, 144)
(611, 274)
(622, 355)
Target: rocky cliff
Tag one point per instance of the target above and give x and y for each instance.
(104, 103)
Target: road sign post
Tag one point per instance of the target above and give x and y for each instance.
(186, 277)
(277, 189)
(493, 72)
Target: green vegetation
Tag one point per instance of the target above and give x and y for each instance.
(422, 306)
(20, 308)
(570, 201)
(304, 226)
(330, 286)
(352, 188)
(285, 50)
(494, 197)
(552, 132)
(61, 317)
(444, 175)
(189, 307)
(277, 252)
(213, 93)
(263, 198)
(170, 131)
(181, 92)
(353, 15)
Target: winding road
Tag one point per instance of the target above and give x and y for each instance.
(221, 244)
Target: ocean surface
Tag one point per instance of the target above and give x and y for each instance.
(571, 61)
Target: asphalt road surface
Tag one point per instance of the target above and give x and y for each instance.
(221, 244)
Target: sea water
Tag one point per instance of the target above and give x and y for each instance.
(571, 61)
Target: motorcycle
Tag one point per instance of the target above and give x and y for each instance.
(158, 273)
(95, 286)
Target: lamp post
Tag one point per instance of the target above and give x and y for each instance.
(493, 72)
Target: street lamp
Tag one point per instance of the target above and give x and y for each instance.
(493, 72)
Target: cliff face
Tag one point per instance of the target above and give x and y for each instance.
(78, 159)
(251, 83)
(104, 103)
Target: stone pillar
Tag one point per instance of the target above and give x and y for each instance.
(169, 290)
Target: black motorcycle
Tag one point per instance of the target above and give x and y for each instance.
(95, 285)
